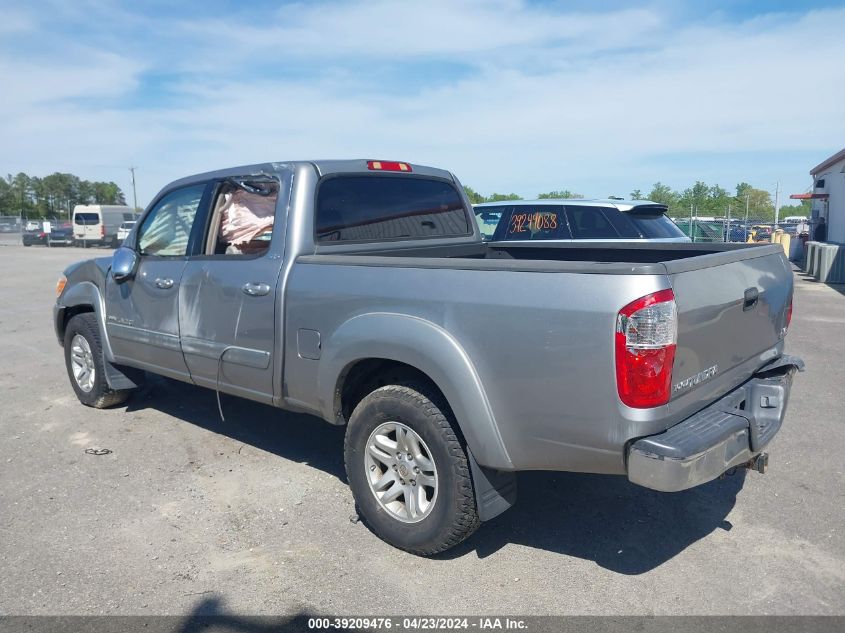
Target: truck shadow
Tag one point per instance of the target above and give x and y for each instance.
(621, 527)
(604, 518)
(295, 436)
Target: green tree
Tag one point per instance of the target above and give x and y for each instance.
(636, 194)
(556, 195)
(32, 196)
(759, 201)
(473, 195)
(498, 197)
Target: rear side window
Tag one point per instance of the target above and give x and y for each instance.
(364, 208)
(524, 222)
(591, 223)
(86, 218)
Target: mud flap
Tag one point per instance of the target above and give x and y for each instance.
(495, 490)
(121, 377)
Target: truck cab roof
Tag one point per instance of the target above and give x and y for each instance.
(322, 167)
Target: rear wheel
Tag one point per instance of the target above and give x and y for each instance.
(408, 471)
(84, 362)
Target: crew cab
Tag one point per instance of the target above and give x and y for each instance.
(361, 291)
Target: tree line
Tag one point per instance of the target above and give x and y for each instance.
(700, 200)
(53, 195)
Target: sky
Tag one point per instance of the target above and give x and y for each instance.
(510, 95)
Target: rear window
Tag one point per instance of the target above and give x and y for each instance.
(364, 208)
(651, 225)
(86, 218)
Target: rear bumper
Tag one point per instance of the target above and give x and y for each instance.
(728, 433)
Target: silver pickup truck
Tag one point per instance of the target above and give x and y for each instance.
(361, 292)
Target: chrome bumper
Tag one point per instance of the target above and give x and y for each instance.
(728, 433)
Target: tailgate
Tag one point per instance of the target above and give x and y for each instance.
(731, 308)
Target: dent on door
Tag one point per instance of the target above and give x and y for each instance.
(142, 318)
(227, 327)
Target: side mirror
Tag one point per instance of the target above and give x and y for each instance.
(123, 264)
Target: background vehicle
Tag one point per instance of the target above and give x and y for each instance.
(60, 234)
(576, 219)
(36, 236)
(761, 233)
(125, 229)
(701, 230)
(361, 292)
(97, 224)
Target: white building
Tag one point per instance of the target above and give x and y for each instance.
(829, 195)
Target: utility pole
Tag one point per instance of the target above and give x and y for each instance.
(691, 227)
(728, 230)
(134, 193)
(777, 201)
(746, 218)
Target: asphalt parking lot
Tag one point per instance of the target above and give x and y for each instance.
(189, 514)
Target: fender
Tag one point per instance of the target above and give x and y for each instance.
(88, 294)
(433, 351)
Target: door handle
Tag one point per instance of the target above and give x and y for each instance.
(164, 284)
(749, 300)
(256, 290)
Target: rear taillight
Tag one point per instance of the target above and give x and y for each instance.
(646, 335)
(788, 317)
(789, 311)
(102, 230)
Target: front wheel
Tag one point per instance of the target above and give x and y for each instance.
(85, 364)
(408, 471)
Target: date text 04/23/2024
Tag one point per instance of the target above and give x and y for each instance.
(418, 623)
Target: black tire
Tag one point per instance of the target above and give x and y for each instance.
(454, 517)
(100, 396)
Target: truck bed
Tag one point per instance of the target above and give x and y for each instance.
(539, 342)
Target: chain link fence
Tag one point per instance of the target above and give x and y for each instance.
(715, 229)
(791, 232)
(11, 229)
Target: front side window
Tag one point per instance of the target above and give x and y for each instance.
(369, 208)
(489, 218)
(166, 229)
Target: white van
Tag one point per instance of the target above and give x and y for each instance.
(98, 223)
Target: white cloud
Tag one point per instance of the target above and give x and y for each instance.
(548, 99)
